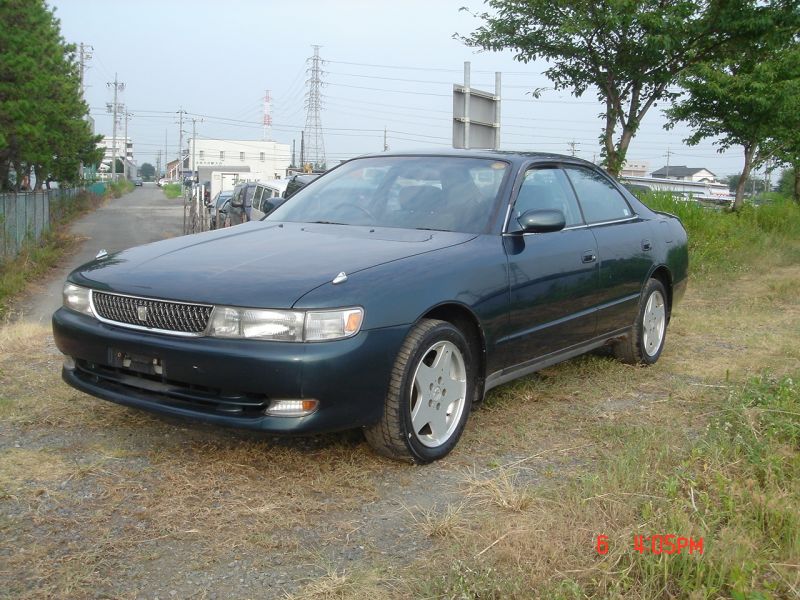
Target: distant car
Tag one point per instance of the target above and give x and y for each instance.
(267, 197)
(298, 182)
(390, 295)
(214, 207)
(138, 181)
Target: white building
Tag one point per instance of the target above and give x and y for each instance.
(124, 147)
(633, 168)
(265, 159)
(124, 154)
(684, 173)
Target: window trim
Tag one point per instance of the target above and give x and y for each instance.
(515, 193)
(634, 214)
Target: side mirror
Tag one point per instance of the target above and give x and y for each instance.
(542, 221)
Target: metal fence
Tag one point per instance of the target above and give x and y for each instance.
(26, 216)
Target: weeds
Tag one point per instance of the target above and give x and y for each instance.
(721, 241)
(173, 190)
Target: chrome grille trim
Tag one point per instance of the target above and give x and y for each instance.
(163, 316)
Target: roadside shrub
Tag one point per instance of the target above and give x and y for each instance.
(172, 190)
(120, 187)
(723, 241)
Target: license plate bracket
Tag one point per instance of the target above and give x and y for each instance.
(140, 363)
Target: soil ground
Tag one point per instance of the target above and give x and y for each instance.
(99, 501)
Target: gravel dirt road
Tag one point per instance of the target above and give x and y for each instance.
(143, 216)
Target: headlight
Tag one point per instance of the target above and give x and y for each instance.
(77, 298)
(279, 325)
(285, 326)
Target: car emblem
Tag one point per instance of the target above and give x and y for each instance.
(141, 312)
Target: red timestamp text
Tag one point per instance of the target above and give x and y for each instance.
(657, 544)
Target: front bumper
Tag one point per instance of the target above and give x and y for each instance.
(230, 382)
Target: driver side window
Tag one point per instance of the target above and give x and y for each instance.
(547, 188)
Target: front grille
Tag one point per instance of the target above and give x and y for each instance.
(179, 317)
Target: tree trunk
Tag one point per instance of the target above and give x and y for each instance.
(749, 152)
(796, 194)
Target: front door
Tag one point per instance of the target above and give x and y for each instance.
(552, 276)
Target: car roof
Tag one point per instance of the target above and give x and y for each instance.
(506, 155)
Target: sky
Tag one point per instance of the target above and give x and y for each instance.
(387, 65)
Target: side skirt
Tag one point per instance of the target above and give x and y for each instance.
(537, 364)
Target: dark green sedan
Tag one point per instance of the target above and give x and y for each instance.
(390, 295)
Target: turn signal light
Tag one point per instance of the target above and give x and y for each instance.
(291, 408)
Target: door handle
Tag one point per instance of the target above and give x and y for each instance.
(646, 245)
(589, 256)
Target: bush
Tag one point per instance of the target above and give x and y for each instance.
(120, 187)
(724, 241)
(173, 190)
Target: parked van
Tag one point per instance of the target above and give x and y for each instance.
(267, 197)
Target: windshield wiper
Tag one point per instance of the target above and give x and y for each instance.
(328, 223)
(428, 229)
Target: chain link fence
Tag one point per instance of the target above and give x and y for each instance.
(26, 216)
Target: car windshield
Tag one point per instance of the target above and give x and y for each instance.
(222, 197)
(416, 192)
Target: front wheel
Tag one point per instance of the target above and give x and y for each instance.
(645, 342)
(430, 395)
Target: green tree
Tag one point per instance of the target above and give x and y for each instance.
(789, 183)
(147, 171)
(629, 52)
(42, 126)
(743, 102)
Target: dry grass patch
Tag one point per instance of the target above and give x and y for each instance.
(355, 584)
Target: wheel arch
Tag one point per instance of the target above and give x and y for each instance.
(663, 274)
(460, 316)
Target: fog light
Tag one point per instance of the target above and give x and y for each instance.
(291, 408)
(69, 363)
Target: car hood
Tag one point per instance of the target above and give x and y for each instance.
(259, 264)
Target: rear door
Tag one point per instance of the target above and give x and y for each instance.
(623, 243)
(553, 276)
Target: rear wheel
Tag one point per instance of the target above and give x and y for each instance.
(644, 344)
(430, 395)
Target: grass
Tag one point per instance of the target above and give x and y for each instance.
(119, 188)
(173, 190)
(726, 242)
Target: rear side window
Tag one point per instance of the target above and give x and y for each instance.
(599, 199)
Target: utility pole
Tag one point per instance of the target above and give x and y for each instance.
(668, 154)
(166, 153)
(467, 95)
(303, 150)
(294, 146)
(385, 139)
(194, 145)
(180, 143)
(158, 165)
(572, 146)
(118, 87)
(125, 159)
(497, 87)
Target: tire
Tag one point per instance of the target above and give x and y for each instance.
(418, 423)
(644, 344)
